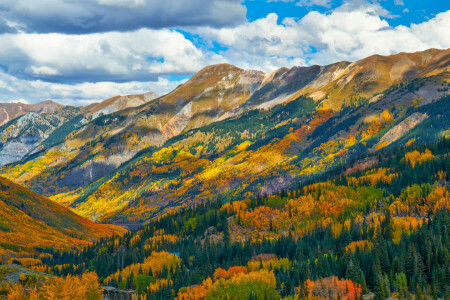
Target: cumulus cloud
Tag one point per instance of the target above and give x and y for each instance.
(81, 16)
(32, 91)
(141, 55)
(77, 62)
(353, 31)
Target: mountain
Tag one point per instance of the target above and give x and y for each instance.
(34, 131)
(10, 111)
(29, 221)
(40, 126)
(233, 133)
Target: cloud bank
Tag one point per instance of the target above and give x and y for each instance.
(90, 56)
(88, 16)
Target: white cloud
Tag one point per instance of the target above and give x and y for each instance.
(13, 89)
(114, 56)
(79, 68)
(44, 70)
(262, 44)
(353, 31)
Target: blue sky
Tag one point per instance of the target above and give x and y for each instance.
(82, 51)
(405, 11)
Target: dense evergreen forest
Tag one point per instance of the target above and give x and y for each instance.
(380, 231)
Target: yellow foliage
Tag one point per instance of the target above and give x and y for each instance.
(156, 261)
(410, 142)
(236, 206)
(418, 157)
(363, 245)
(416, 102)
(372, 177)
(26, 261)
(382, 145)
(70, 288)
(159, 237)
(272, 264)
(386, 115)
(134, 240)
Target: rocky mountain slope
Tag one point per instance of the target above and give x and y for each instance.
(29, 220)
(10, 111)
(233, 133)
(40, 126)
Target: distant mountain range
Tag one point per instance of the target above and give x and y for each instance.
(225, 133)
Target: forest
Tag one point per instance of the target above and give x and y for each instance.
(359, 230)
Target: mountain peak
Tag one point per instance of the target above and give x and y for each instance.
(11, 110)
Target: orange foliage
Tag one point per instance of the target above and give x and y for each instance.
(373, 129)
(260, 218)
(195, 292)
(221, 273)
(330, 287)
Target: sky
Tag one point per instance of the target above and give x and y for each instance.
(80, 51)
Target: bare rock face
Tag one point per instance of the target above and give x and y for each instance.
(401, 129)
(14, 151)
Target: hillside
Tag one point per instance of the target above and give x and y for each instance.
(237, 134)
(373, 227)
(29, 221)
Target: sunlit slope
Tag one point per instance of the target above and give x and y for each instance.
(259, 152)
(28, 220)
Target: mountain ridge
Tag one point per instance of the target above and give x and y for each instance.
(255, 132)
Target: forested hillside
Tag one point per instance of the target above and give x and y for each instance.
(376, 225)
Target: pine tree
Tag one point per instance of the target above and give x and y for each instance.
(380, 288)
